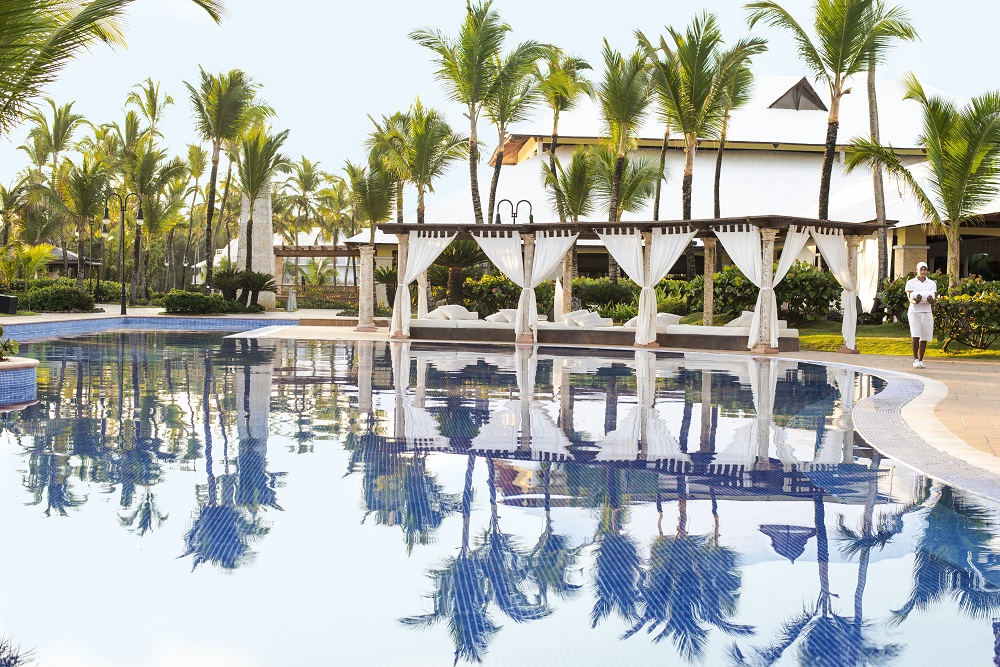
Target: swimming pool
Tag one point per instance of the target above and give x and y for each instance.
(196, 499)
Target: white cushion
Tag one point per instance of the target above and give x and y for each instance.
(570, 322)
(744, 320)
(435, 314)
(573, 313)
(509, 314)
(666, 319)
(453, 311)
(634, 322)
(496, 317)
(592, 320)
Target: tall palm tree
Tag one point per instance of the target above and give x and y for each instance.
(146, 97)
(225, 107)
(373, 191)
(846, 37)
(456, 259)
(573, 189)
(908, 33)
(512, 95)
(391, 138)
(12, 200)
(636, 180)
(38, 38)
(617, 565)
(259, 161)
(736, 92)
(81, 196)
(963, 162)
(467, 66)
(197, 161)
(623, 95)
(554, 556)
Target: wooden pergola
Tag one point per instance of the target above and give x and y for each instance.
(297, 251)
(769, 227)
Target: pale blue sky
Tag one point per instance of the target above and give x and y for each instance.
(325, 66)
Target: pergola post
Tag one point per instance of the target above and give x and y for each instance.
(647, 248)
(529, 260)
(567, 280)
(763, 346)
(366, 295)
(853, 242)
(279, 270)
(708, 316)
(402, 256)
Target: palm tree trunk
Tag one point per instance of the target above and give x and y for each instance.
(249, 263)
(420, 205)
(822, 554)
(79, 257)
(883, 237)
(6, 230)
(133, 283)
(829, 151)
(498, 164)
(456, 277)
(552, 163)
(209, 214)
(477, 204)
(659, 181)
(954, 256)
(399, 203)
(686, 187)
(65, 257)
(222, 212)
(145, 269)
(187, 247)
(718, 171)
(169, 275)
(616, 188)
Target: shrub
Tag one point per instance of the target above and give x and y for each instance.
(602, 292)
(807, 294)
(734, 292)
(109, 292)
(194, 303)
(672, 296)
(389, 277)
(58, 299)
(228, 280)
(970, 320)
(8, 348)
(255, 282)
(490, 293)
(619, 312)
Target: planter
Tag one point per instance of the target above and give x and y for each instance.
(8, 304)
(18, 381)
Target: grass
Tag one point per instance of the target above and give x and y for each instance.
(19, 313)
(888, 339)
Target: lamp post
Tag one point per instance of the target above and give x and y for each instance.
(513, 211)
(122, 203)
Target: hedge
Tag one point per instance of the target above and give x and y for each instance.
(967, 319)
(56, 299)
(179, 302)
(491, 293)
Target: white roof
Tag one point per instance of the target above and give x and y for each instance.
(900, 120)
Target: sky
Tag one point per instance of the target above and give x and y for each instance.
(326, 66)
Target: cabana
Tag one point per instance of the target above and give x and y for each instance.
(646, 251)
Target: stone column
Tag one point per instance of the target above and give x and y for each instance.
(366, 292)
(402, 256)
(567, 281)
(853, 242)
(422, 294)
(279, 270)
(647, 246)
(529, 260)
(710, 249)
(262, 258)
(763, 345)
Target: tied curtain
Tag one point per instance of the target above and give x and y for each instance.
(424, 247)
(626, 246)
(833, 247)
(868, 273)
(743, 245)
(503, 247)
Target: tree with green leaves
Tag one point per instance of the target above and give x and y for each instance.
(846, 38)
(636, 180)
(391, 138)
(260, 160)
(197, 161)
(963, 163)
(467, 66)
(12, 201)
(225, 107)
(373, 191)
(151, 104)
(572, 190)
(81, 197)
(623, 95)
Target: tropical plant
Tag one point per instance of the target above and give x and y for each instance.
(623, 95)
(318, 271)
(12, 202)
(388, 276)
(617, 565)
(467, 66)
(456, 258)
(259, 162)
(81, 197)
(571, 190)
(846, 39)
(228, 280)
(963, 161)
(736, 94)
(225, 107)
(635, 178)
(255, 282)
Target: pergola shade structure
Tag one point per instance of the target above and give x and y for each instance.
(528, 253)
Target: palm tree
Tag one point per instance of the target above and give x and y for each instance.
(456, 259)
(225, 108)
(572, 190)
(467, 66)
(12, 201)
(259, 162)
(553, 557)
(846, 39)
(963, 160)
(150, 103)
(373, 190)
(197, 160)
(637, 180)
(81, 197)
(736, 94)
(623, 95)
(389, 139)
(512, 95)
(40, 37)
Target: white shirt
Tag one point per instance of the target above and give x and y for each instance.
(924, 288)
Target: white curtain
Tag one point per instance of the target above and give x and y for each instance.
(868, 273)
(625, 245)
(557, 303)
(550, 248)
(833, 247)
(424, 247)
(503, 247)
(744, 247)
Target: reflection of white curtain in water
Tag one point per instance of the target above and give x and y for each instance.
(833, 247)
(753, 440)
(413, 424)
(868, 273)
(625, 245)
(744, 247)
(424, 247)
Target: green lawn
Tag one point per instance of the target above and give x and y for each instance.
(889, 339)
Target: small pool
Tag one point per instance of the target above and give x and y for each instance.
(202, 500)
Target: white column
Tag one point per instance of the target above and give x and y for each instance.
(710, 250)
(763, 345)
(366, 292)
(647, 247)
(529, 260)
(402, 256)
(263, 239)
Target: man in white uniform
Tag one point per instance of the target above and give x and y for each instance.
(922, 292)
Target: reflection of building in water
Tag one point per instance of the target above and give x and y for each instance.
(254, 360)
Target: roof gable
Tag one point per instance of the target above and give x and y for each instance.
(800, 97)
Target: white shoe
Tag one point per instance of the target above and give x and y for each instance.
(919, 364)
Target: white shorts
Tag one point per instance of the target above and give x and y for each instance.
(921, 325)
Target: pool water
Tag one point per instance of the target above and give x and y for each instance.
(201, 500)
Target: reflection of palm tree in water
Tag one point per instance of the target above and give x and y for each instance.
(220, 533)
(48, 480)
(691, 584)
(426, 505)
(616, 561)
(553, 557)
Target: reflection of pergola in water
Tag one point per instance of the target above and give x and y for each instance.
(530, 253)
(758, 461)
